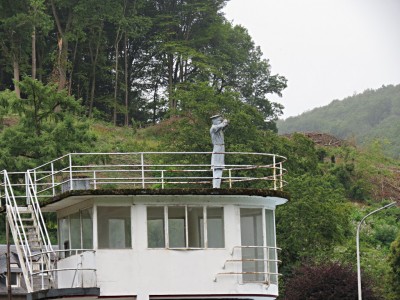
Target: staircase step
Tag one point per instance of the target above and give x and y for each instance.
(28, 226)
(24, 210)
(31, 233)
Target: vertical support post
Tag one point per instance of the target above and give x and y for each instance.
(265, 249)
(280, 176)
(28, 195)
(42, 273)
(35, 181)
(9, 291)
(230, 178)
(94, 180)
(71, 183)
(162, 179)
(31, 264)
(274, 170)
(1, 196)
(52, 179)
(142, 163)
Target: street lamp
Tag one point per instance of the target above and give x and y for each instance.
(358, 246)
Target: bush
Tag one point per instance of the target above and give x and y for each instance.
(329, 281)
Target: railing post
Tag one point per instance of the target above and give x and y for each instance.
(94, 180)
(142, 163)
(71, 183)
(52, 179)
(274, 169)
(28, 198)
(162, 179)
(280, 176)
(230, 178)
(34, 181)
(42, 273)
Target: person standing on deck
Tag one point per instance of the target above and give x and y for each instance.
(217, 138)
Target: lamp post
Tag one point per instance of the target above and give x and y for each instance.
(358, 246)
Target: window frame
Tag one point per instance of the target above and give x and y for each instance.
(202, 231)
(69, 240)
(268, 266)
(17, 279)
(97, 232)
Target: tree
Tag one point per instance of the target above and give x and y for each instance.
(41, 23)
(394, 260)
(43, 132)
(314, 220)
(14, 37)
(238, 64)
(189, 131)
(329, 281)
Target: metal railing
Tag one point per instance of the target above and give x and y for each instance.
(15, 222)
(261, 266)
(54, 271)
(23, 233)
(161, 170)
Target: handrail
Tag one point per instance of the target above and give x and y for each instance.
(11, 201)
(54, 270)
(17, 229)
(38, 213)
(146, 170)
(266, 262)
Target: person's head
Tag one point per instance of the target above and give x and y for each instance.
(217, 119)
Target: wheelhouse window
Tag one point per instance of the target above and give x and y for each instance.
(259, 257)
(76, 230)
(114, 227)
(185, 227)
(155, 227)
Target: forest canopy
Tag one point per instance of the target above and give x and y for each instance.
(130, 60)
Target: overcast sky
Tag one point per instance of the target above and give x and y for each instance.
(327, 49)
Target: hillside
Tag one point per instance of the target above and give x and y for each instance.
(363, 118)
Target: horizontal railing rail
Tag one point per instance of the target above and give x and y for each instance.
(54, 270)
(147, 170)
(265, 257)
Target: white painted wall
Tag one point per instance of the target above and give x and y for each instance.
(142, 271)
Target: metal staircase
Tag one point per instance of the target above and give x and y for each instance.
(29, 233)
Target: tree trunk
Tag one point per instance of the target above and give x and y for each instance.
(34, 53)
(62, 61)
(170, 81)
(116, 46)
(94, 65)
(155, 104)
(16, 76)
(72, 69)
(126, 81)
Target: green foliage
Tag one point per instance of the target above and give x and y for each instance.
(134, 59)
(48, 127)
(315, 219)
(326, 281)
(394, 260)
(190, 130)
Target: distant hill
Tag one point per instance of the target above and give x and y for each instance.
(371, 115)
